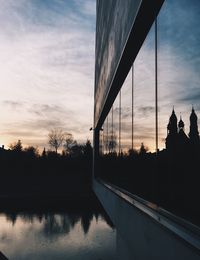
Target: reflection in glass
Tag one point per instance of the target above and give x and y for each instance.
(178, 62)
(132, 168)
(105, 135)
(126, 114)
(144, 94)
(101, 141)
(179, 96)
(116, 124)
(164, 86)
(110, 132)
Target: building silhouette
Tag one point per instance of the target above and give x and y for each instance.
(194, 133)
(177, 140)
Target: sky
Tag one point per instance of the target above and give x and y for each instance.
(46, 69)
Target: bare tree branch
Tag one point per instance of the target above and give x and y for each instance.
(56, 138)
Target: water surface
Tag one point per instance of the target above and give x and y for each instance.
(69, 231)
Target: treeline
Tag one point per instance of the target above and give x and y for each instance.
(71, 149)
(24, 171)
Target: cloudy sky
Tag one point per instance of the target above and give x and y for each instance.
(46, 69)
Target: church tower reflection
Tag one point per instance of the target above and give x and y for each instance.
(177, 140)
(172, 131)
(194, 133)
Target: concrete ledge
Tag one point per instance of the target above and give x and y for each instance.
(145, 231)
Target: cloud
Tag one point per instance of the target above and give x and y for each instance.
(87, 7)
(46, 110)
(125, 112)
(47, 67)
(13, 105)
(146, 111)
(191, 97)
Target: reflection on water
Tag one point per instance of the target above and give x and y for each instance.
(66, 233)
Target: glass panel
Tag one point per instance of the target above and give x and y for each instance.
(178, 81)
(178, 62)
(105, 135)
(116, 125)
(167, 176)
(143, 156)
(144, 95)
(101, 142)
(126, 116)
(110, 132)
(133, 170)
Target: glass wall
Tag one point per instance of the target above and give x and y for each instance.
(129, 128)
(150, 136)
(178, 99)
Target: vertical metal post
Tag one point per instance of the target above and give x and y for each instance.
(103, 139)
(107, 135)
(156, 84)
(112, 131)
(120, 122)
(155, 186)
(132, 101)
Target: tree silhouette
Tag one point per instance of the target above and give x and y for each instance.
(132, 152)
(143, 149)
(32, 151)
(17, 147)
(69, 143)
(87, 149)
(112, 143)
(44, 153)
(56, 138)
(76, 151)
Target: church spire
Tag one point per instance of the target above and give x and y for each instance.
(181, 124)
(171, 131)
(172, 125)
(194, 133)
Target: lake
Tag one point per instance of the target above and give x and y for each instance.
(57, 230)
